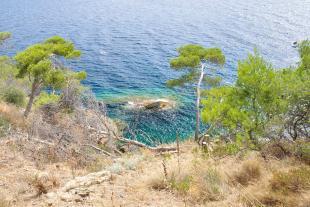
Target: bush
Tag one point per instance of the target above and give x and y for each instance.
(115, 168)
(226, 149)
(208, 186)
(97, 165)
(199, 186)
(158, 183)
(45, 98)
(4, 36)
(14, 96)
(302, 152)
(277, 200)
(43, 183)
(182, 185)
(250, 171)
(131, 163)
(295, 180)
(11, 115)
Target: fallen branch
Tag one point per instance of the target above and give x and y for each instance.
(166, 153)
(98, 149)
(42, 142)
(139, 144)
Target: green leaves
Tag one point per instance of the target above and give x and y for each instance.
(259, 87)
(190, 77)
(215, 56)
(191, 58)
(185, 61)
(260, 96)
(36, 60)
(245, 107)
(4, 36)
(304, 52)
(222, 108)
(41, 69)
(55, 79)
(40, 63)
(80, 75)
(304, 48)
(212, 81)
(55, 40)
(195, 59)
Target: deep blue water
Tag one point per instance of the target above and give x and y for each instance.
(127, 44)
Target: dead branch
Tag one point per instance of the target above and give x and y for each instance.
(139, 144)
(98, 149)
(166, 153)
(42, 142)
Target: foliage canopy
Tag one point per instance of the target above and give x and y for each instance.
(4, 36)
(262, 98)
(41, 64)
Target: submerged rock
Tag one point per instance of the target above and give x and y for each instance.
(157, 105)
(144, 104)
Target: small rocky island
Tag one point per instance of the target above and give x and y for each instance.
(145, 104)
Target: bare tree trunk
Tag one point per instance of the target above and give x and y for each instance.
(198, 103)
(31, 99)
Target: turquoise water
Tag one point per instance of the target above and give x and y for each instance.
(127, 44)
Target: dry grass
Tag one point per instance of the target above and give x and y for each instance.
(302, 151)
(295, 181)
(195, 182)
(208, 186)
(43, 183)
(284, 183)
(152, 180)
(250, 171)
(158, 183)
(4, 202)
(281, 149)
(13, 115)
(98, 164)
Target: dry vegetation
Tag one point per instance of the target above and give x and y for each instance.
(12, 114)
(250, 171)
(143, 178)
(53, 149)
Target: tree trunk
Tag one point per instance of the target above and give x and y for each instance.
(198, 103)
(31, 99)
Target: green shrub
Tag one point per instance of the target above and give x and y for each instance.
(226, 149)
(182, 186)
(302, 152)
(281, 149)
(14, 96)
(4, 36)
(211, 185)
(45, 98)
(295, 180)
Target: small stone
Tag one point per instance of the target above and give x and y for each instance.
(51, 195)
(83, 194)
(66, 197)
(78, 200)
